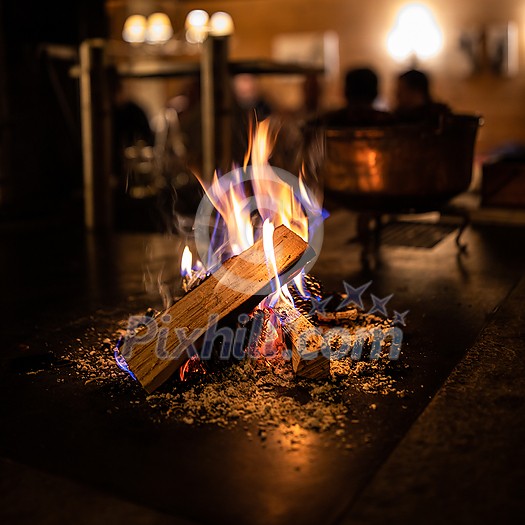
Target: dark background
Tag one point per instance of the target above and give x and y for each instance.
(40, 149)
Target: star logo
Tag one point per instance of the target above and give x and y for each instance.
(353, 295)
(379, 305)
(319, 306)
(400, 317)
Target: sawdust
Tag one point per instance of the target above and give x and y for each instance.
(251, 392)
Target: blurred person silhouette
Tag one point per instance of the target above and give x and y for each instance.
(246, 102)
(187, 105)
(295, 140)
(414, 99)
(361, 91)
(136, 189)
(131, 127)
(312, 92)
(249, 96)
(130, 122)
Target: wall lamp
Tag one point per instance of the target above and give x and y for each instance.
(415, 35)
(199, 25)
(156, 29)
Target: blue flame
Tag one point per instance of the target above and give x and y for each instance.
(121, 362)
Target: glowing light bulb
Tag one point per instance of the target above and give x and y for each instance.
(221, 24)
(159, 28)
(399, 46)
(197, 19)
(197, 26)
(134, 30)
(415, 33)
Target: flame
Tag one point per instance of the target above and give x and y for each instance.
(187, 259)
(233, 206)
(250, 206)
(270, 190)
(248, 153)
(300, 285)
(191, 271)
(281, 292)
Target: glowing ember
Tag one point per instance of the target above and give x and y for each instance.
(192, 366)
(269, 344)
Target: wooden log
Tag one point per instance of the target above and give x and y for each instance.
(240, 283)
(310, 351)
(337, 317)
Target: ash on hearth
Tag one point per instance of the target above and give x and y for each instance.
(264, 393)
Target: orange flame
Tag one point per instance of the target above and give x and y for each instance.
(190, 270)
(275, 202)
(186, 262)
(233, 206)
(270, 190)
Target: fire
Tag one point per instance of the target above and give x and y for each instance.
(232, 205)
(281, 293)
(192, 366)
(251, 202)
(271, 341)
(191, 273)
(185, 265)
(251, 195)
(275, 198)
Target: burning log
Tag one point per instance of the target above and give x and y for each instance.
(310, 351)
(337, 317)
(159, 350)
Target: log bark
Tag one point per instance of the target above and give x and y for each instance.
(238, 286)
(310, 351)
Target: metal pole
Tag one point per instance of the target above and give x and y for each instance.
(208, 110)
(223, 103)
(96, 135)
(216, 101)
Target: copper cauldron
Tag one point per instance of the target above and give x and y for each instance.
(401, 166)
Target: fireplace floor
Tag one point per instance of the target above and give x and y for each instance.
(75, 452)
